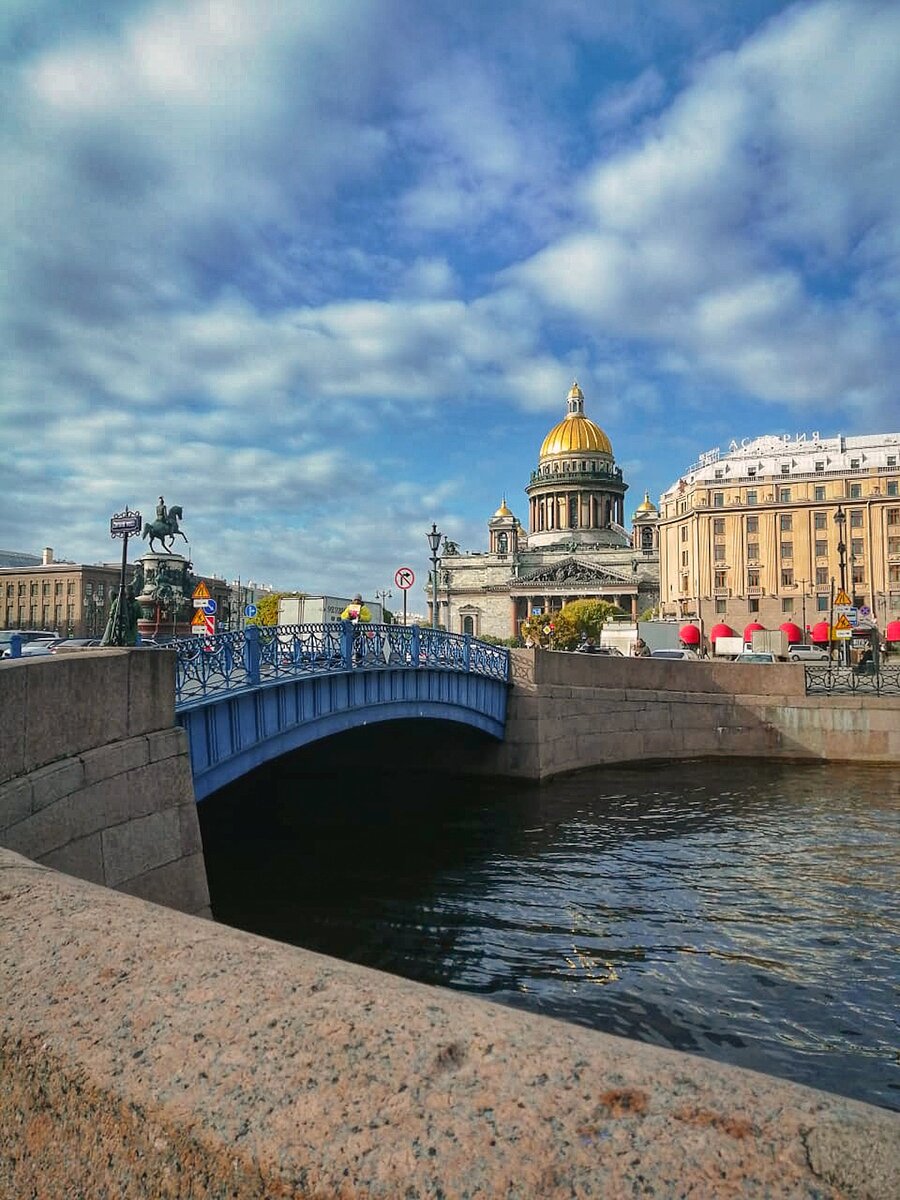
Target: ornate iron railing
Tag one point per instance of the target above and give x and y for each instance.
(260, 654)
(833, 678)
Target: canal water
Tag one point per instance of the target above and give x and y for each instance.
(745, 911)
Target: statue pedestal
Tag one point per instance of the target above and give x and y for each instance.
(166, 586)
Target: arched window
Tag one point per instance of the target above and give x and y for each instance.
(468, 625)
(502, 546)
(646, 538)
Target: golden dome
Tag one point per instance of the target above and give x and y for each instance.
(503, 511)
(647, 505)
(575, 434)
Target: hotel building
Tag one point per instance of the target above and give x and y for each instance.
(756, 533)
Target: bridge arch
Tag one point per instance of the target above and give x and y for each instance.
(232, 733)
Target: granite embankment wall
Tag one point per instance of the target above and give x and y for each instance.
(95, 778)
(571, 711)
(145, 1053)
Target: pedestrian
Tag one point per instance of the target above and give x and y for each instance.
(356, 611)
(641, 649)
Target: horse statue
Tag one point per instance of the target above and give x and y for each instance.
(165, 531)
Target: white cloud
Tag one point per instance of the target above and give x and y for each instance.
(755, 227)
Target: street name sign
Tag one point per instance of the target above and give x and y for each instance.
(404, 578)
(126, 524)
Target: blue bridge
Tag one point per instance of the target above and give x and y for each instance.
(245, 698)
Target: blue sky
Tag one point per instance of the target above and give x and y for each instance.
(322, 272)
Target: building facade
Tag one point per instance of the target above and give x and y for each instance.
(576, 547)
(766, 531)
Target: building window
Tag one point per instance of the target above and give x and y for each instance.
(893, 516)
(821, 577)
(855, 491)
(718, 473)
(820, 466)
(45, 588)
(820, 520)
(822, 603)
(684, 558)
(751, 472)
(894, 546)
(33, 589)
(719, 525)
(753, 604)
(720, 606)
(468, 625)
(753, 524)
(719, 553)
(787, 577)
(753, 579)
(784, 495)
(751, 497)
(859, 573)
(785, 469)
(718, 499)
(893, 488)
(786, 522)
(787, 549)
(70, 588)
(892, 460)
(856, 518)
(820, 493)
(721, 579)
(684, 583)
(753, 550)
(821, 548)
(684, 533)
(787, 604)
(89, 588)
(856, 546)
(854, 464)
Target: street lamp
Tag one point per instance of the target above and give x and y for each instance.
(434, 541)
(840, 519)
(384, 594)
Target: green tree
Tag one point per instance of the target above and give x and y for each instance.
(267, 608)
(582, 618)
(647, 615)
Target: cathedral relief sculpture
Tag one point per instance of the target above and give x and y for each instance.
(573, 571)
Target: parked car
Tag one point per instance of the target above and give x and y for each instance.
(591, 648)
(756, 656)
(72, 644)
(32, 650)
(27, 635)
(683, 653)
(800, 652)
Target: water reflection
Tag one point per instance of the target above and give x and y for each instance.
(747, 912)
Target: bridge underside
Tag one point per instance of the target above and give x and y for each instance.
(239, 731)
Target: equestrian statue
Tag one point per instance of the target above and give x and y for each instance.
(165, 527)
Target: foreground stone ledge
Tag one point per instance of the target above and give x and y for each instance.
(145, 1053)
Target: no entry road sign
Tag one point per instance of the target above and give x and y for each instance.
(404, 578)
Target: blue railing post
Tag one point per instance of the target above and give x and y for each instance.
(347, 631)
(251, 653)
(414, 646)
(467, 651)
(15, 646)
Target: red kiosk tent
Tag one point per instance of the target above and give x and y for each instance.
(749, 631)
(718, 631)
(821, 633)
(689, 635)
(892, 633)
(794, 632)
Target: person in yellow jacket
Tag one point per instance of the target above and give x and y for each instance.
(356, 611)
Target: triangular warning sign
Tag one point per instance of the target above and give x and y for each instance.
(201, 591)
(843, 622)
(840, 598)
(199, 617)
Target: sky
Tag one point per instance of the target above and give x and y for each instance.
(322, 272)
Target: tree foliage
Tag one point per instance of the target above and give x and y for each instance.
(267, 608)
(582, 618)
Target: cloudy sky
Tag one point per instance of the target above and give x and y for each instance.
(322, 271)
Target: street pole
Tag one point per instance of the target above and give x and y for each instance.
(434, 541)
(839, 519)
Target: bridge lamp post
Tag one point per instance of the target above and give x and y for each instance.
(384, 594)
(434, 541)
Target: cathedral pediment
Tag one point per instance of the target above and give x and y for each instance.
(572, 570)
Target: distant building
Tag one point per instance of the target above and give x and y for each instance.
(752, 534)
(577, 546)
(15, 558)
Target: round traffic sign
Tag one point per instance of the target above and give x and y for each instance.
(210, 607)
(250, 610)
(404, 578)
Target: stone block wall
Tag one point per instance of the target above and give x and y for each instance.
(568, 712)
(95, 778)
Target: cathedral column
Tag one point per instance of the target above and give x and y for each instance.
(514, 616)
(634, 611)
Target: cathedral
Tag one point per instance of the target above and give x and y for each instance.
(576, 547)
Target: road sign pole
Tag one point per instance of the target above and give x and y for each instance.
(404, 607)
